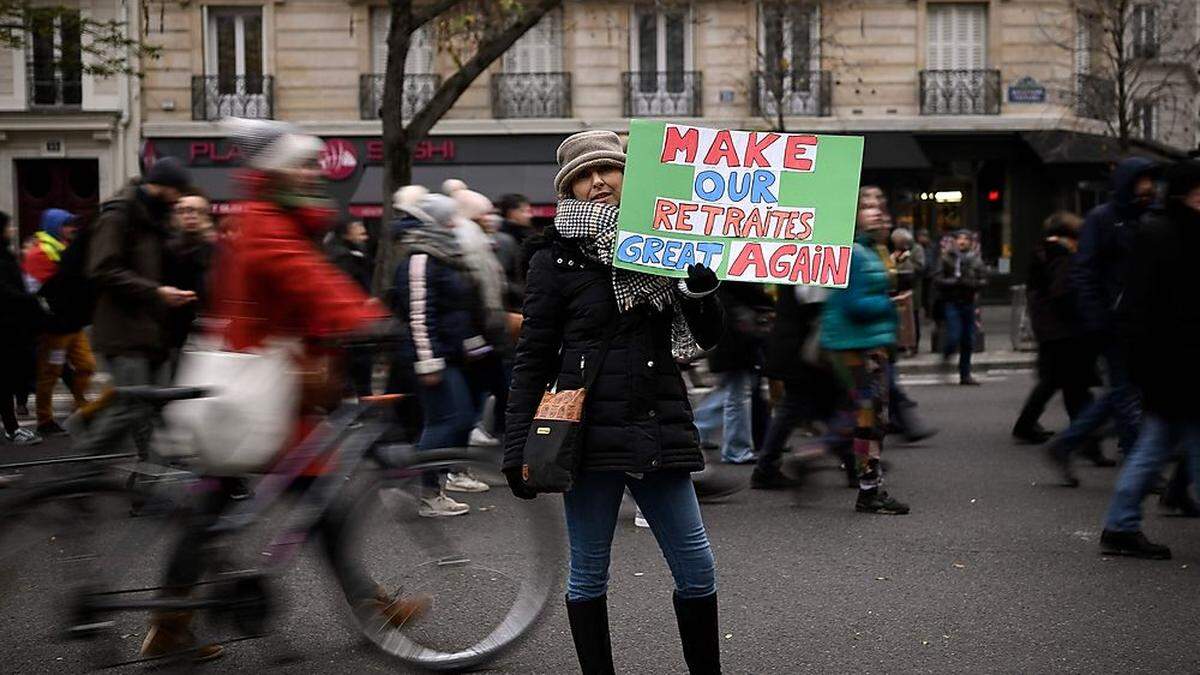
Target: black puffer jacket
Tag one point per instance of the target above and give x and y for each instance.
(749, 314)
(637, 416)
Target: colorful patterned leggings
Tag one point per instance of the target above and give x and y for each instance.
(864, 377)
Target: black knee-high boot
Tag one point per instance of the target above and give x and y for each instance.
(589, 629)
(698, 631)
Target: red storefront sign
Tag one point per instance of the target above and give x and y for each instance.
(339, 159)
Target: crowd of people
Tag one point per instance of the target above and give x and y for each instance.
(497, 311)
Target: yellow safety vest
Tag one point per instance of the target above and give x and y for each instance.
(52, 247)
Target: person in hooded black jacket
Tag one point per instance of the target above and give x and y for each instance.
(1158, 326)
(637, 429)
(1099, 274)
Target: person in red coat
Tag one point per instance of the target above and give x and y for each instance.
(272, 280)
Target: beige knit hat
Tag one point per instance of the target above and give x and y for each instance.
(586, 150)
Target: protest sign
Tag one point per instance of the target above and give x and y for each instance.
(767, 207)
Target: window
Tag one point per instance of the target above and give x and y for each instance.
(55, 58)
(1083, 44)
(235, 50)
(661, 50)
(539, 50)
(789, 40)
(1144, 29)
(956, 37)
(1145, 115)
(420, 45)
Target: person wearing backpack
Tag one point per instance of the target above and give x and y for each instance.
(53, 270)
(127, 252)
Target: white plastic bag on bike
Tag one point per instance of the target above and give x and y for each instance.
(243, 426)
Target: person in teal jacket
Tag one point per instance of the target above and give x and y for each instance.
(858, 328)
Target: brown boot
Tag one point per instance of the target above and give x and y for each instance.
(169, 634)
(397, 610)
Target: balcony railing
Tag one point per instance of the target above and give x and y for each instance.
(217, 96)
(418, 89)
(531, 95)
(802, 93)
(960, 92)
(1095, 97)
(49, 89)
(669, 94)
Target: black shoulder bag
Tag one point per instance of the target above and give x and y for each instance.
(552, 450)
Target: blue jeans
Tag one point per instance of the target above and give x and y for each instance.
(960, 334)
(668, 501)
(1121, 402)
(1154, 448)
(729, 407)
(448, 411)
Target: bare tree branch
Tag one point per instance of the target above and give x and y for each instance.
(490, 50)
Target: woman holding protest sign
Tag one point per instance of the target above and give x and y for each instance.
(616, 334)
(858, 330)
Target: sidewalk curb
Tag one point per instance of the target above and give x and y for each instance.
(929, 364)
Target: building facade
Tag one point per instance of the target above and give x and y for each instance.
(66, 138)
(986, 115)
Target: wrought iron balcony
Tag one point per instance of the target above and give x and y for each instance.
(217, 96)
(960, 92)
(663, 94)
(50, 89)
(531, 95)
(1095, 97)
(418, 89)
(801, 93)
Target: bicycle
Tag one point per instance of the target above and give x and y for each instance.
(502, 590)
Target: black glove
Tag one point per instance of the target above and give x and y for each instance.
(517, 484)
(701, 280)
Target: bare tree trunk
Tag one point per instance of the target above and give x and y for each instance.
(397, 158)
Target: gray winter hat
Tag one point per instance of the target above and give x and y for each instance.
(586, 150)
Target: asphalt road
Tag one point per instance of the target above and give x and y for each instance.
(996, 570)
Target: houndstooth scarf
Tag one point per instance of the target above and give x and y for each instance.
(593, 227)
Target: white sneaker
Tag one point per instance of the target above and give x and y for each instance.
(24, 436)
(465, 482)
(639, 520)
(482, 439)
(440, 506)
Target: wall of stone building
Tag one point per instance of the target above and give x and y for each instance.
(104, 88)
(1036, 39)
(166, 83)
(870, 49)
(317, 60)
(596, 52)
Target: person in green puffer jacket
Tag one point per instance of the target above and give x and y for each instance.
(858, 329)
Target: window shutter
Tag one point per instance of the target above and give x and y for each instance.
(1083, 45)
(936, 43)
(420, 46)
(956, 37)
(539, 50)
(380, 20)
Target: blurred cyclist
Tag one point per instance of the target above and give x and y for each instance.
(272, 281)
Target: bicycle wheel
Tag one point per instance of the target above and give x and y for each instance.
(489, 573)
(59, 542)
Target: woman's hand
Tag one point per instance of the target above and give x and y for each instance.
(700, 280)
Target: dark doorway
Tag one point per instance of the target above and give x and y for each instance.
(71, 184)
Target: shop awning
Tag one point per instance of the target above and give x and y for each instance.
(535, 181)
(893, 150)
(1065, 147)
